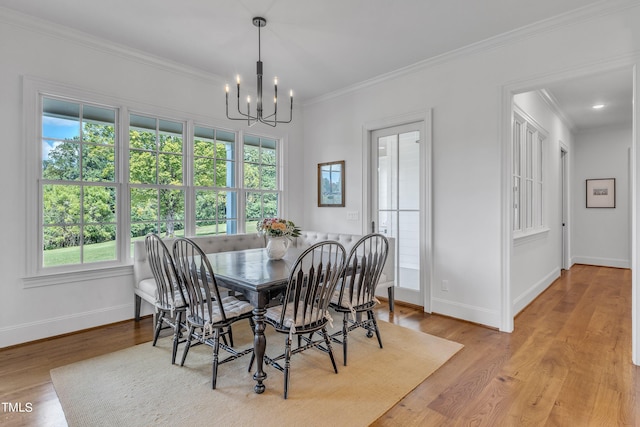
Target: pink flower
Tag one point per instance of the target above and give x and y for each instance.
(278, 227)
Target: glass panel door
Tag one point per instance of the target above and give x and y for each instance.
(396, 203)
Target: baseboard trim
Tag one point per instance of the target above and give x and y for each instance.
(81, 331)
(602, 262)
(520, 302)
(402, 303)
(46, 328)
(470, 313)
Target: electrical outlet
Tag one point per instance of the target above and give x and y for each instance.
(445, 285)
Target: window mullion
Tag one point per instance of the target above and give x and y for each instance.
(188, 181)
(123, 186)
(523, 177)
(242, 192)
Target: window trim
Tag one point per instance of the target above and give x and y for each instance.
(531, 236)
(34, 90)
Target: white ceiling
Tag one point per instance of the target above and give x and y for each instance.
(314, 47)
(576, 97)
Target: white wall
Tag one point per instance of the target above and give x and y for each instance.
(536, 262)
(136, 81)
(602, 236)
(465, 92)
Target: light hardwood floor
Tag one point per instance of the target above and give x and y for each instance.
(568, 363)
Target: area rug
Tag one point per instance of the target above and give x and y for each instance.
(138, 386)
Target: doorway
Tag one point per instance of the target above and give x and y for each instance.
(566, 251)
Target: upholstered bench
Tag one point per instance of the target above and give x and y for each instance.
(144, 286)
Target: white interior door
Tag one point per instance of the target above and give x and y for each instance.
(397, 205)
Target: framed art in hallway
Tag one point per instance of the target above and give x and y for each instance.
(601, 193)
(331, 184)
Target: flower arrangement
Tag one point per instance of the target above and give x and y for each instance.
(277, 227)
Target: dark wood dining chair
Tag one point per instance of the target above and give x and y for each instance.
(304, 310)
(171, 303)
(209, 316)
(355, 295)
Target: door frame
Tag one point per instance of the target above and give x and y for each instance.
(565, 207)
(426, 215)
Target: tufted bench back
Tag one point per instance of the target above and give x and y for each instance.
(209, 244)
(308, 238)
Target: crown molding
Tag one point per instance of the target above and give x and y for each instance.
(50, 29)
(552, 103)
(584, 14)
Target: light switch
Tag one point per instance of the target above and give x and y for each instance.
(353, 216)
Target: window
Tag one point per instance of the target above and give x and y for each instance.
(78, 186)
(260, 179)
(157, 191)
(216, 195)
(106, 176)
(528, 188)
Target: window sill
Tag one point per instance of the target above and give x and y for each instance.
(75, 276)
(530, 236)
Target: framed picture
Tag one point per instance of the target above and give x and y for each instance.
(601, 193)
(331, 184)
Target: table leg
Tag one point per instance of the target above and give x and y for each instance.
(259, 346)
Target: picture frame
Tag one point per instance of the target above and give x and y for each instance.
(601, 193)
(331, 184)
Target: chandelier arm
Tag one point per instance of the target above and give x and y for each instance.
(275, 117)
(247, 117)
(272, 124)
(264, 120)
(227, 108)
(244, 116)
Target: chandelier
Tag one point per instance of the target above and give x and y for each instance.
(259, 116)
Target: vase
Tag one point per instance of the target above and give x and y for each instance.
(277, 247)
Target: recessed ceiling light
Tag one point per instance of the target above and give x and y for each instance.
(597, 106)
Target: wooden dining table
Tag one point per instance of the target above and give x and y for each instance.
(251, 273)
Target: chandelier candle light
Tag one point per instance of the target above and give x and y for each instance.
(272, 119)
